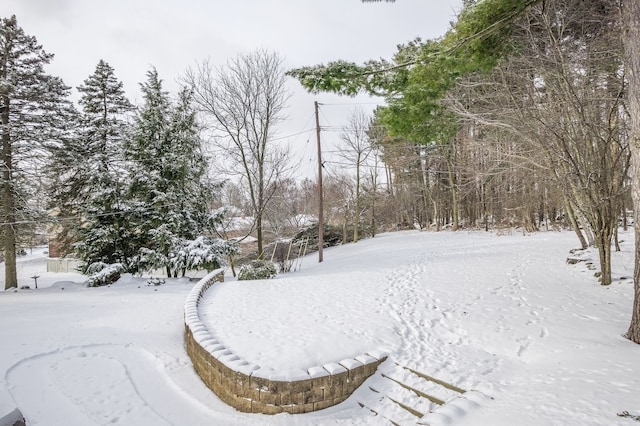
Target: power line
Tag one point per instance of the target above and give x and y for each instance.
(292, 135)
(352, 103)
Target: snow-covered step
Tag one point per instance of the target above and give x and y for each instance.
(410, 400)
(437, 391)
(434, 380)
(409, 397)
(390, 409)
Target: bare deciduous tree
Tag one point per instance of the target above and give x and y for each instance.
(242, 102)
(358, 148)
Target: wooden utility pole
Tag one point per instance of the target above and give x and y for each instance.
(320, 206)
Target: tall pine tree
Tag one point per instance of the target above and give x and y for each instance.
(92, 171)
(32, 106)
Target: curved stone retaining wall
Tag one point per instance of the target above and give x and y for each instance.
(254, 389)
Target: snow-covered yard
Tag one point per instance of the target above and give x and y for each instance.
(504, 316)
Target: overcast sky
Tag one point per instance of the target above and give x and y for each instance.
(171, 35)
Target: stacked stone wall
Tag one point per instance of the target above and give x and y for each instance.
(253, 389)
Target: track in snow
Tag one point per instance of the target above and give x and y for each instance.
(102, 384)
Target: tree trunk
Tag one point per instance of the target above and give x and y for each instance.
(623, 209)
(631, 39)
(260, 204)
(356, 218)
(259, 234)
(603, 238)
(8, 200)
(373, 212)
(574, 224)
(232, 265)
(344, 224)
(455, 215)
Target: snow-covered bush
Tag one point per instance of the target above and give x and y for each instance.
(202, 253)
(257, 270)
(148, 260)
(103, 273)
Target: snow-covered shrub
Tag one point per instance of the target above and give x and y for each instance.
(103, 273)
(257, 270)
(202, 253)
(148, 260)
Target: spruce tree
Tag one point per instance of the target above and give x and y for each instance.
(167, 191)
(91, 172)
(146, 192)
(105, 125)
(105, 118)
(33, 106)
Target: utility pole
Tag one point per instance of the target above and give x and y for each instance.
(320, 207)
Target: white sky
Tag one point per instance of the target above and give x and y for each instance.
(134, 35)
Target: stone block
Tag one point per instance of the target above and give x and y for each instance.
(220, 353)
(297, 409)
(300, 386)
(243, 404)
(357, 376)
(216, 376)
(251, 393)
(263, 373)
(300, 398)
(332, 391)
(272, 409)
(225, 394)
(259, 384)
(226, 373)
(316, 394)
(267, 398)
(350, 363)
(378, 354)
(321, 382)
(234, 386)
(279, 387)
(315, 372)
(287, 399)
(229, 358)
(334, 368)
(247, 369)
(213, 347)
(371, 368)
(327, 403)
(340, 379)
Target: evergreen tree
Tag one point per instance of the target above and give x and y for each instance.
(167, 191)
(33, 106)
(105, 108)
(146, 191)
(90, 170)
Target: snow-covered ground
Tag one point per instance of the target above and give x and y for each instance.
(505, 316)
